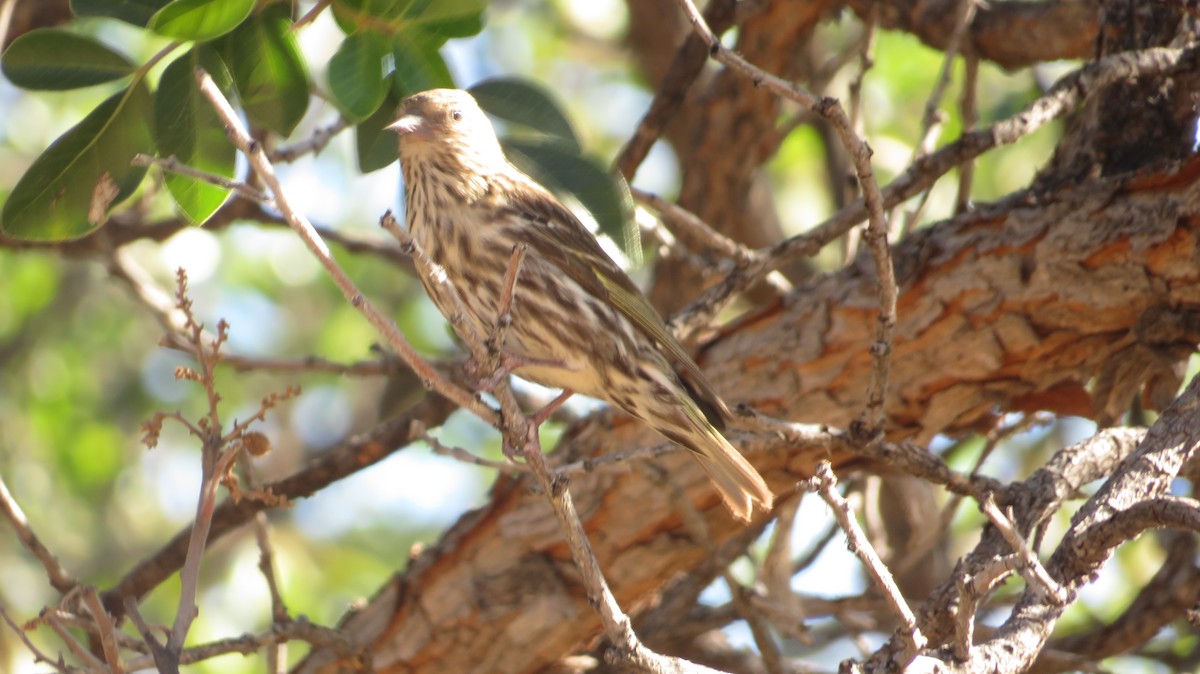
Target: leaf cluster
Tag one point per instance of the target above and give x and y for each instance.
(390, 49)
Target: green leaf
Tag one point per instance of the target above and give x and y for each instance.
(200, 19)
(271, 78)
(136, 12)
(445, 19)
(419, 65)
(356, 75)
(525, 103)
(70, 188)
(186, 126)
(53, 59)
(562, 169)
(442, 19)
(376, 145)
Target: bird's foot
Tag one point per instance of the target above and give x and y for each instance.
(506, 364)
(539, 417)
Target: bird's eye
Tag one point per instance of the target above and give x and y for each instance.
(456, 115)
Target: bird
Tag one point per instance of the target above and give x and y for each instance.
(578, 322)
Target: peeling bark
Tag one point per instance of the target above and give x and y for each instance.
(1016, 307)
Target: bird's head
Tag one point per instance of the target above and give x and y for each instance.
(447, 123)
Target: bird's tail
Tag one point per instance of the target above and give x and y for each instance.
(740, 486)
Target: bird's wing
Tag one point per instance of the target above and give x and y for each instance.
(561, 238)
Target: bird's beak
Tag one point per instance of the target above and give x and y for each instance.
(409, 126)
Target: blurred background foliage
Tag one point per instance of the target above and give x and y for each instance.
(81, 366)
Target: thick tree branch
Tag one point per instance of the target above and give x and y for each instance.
(1006, 309)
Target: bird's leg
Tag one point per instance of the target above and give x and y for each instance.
(507, 363)
(535, 422)
(539, 417)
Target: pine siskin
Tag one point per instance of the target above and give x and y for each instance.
(578, 321)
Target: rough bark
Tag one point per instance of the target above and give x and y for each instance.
(729, 134)
(1011, 34)
(1016, 307)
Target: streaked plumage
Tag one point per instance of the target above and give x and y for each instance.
(576, 315)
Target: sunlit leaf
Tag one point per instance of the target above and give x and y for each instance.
(561, 168)
(356, 75)
(186, 126)
(525, 103)
(77, 174)
(268, 69)
(136, 12)
(200, 19)
(53, 59)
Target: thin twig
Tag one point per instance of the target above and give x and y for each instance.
(846, 185)
(164, 660)
(521, 437)
(320, 137)
(1031, 568)
(59, 665)
(311, 15)
(91, 662)
(824, 484)
(933, 118)
(262, 166)
(59, 577)
(6, 14)
(686, 225)
(214, 462)
(669, 99)
(276, 653)
(173, 165)
(969, 111)
(495, 341)
(1067, 93)
(869, 425)
(357, 658)
(697, 528)
(460, 454)
(105, 628)
(928, 536)
(971, 591)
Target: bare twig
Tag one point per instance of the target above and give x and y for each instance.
(276, 653)
(687, 225)
(173, 165)
(460, 454)
(971, 591)
(932, 118)
(870, 423)
(164, 660)
(311, 15)
(1062, 97)
(495, 341)
(6, 14)
(969, 110)
(321, 137)
(59, 577)
(521, 438)
(1031, 568)
(697, 529)
(395, 339)
(59, 665)
(105, 628)
(91, 662)
(846, 186)
(355, 454)
(685, 68)
(824, 483)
